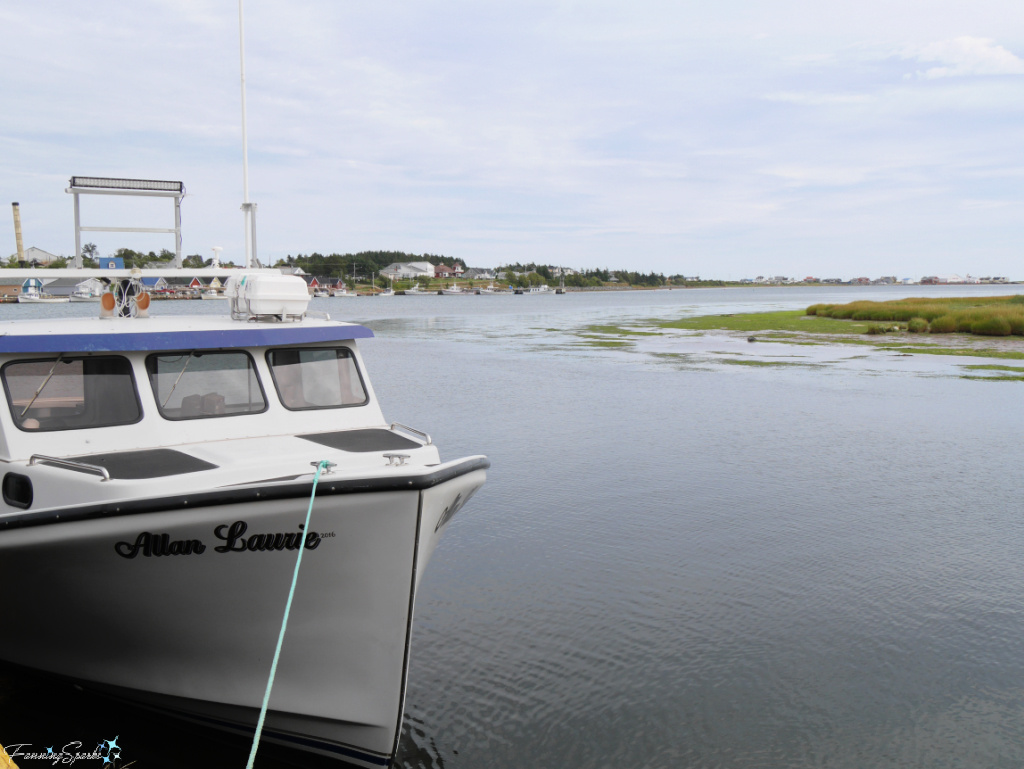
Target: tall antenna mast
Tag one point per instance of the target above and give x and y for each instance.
(248, 208)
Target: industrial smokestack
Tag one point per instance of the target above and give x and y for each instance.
(17, 232)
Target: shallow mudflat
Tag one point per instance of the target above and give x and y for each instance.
(791, 338)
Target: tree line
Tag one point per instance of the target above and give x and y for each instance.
(367, 264)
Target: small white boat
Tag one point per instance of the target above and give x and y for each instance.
(417, 291)
(85, 296)
(541, 289)
(32, 293)
(321, 293)
(454, 290)
(387, 292)
(157, 474)
(42, 299)
(212, 293)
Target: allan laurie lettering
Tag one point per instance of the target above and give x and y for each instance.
(236, 542)
(149, 544)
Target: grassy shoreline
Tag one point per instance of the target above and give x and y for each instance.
(982, 316)
(797, 327)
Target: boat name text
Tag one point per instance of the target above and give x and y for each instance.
(149, 544)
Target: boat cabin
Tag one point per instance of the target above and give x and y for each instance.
(244, 393)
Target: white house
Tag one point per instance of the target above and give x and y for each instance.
(39, 256)
(409, 270)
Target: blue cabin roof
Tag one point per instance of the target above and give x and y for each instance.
(94, 335)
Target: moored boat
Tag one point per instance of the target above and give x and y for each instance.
(156, 481)
(32, 293)
(85, 295)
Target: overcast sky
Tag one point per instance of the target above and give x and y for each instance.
(725, 139)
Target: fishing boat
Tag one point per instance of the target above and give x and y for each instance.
(156, 479)
(85, 295)
(32, 293)
(454, 290)
(541, 289)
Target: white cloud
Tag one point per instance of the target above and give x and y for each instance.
(964, 56)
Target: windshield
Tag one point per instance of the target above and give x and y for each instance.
(317, 378)
(71, 393)
(195, 385)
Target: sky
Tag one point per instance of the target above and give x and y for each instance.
(726, 140)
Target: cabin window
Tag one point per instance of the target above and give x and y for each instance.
(197, 385)
(317, 378)
(67, 393)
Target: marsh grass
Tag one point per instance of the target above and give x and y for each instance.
(994, 367)
(764, 363)
(997, 378)
(588, 340)
(767, 321)
(965, 352)
(983, 316)
(619, 331)
(788, 327)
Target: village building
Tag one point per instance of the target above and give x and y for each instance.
(37, 257)
(68, 286)
(408, 270)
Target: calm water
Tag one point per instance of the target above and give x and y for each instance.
(679, 562)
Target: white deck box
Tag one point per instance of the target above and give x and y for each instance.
(262, 294)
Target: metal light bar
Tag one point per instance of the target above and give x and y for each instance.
(98, 185)
(96, 182)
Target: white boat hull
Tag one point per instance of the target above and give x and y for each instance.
(23, 299)
(172, 603)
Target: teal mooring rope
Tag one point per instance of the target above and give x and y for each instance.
(284, 623)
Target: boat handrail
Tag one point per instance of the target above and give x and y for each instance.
(70, 464)
(413, 430)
